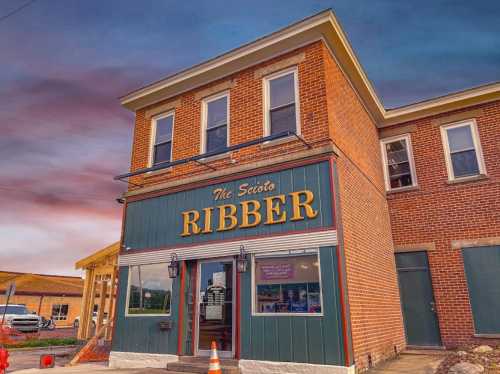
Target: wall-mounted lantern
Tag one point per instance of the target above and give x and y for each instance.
(242, 261)
(173, 268)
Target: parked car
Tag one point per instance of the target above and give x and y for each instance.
(76, 322)
(18, 318)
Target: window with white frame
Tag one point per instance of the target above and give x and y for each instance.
(399, 167)
(287, 282)
(281, 102)
(462, 150)
(215, 123)
(163, 130)
(60, 312)
(149, 290)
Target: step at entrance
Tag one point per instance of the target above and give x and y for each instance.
(188, 364)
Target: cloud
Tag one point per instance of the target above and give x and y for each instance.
(81, 103)
(89, 189)
(64, 134)
(63, 139)
(52, 248)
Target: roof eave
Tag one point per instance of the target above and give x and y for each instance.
(458, 100)
(111, 250)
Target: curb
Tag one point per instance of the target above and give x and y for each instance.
(25, 349)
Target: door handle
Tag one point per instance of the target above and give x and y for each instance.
(433, 306)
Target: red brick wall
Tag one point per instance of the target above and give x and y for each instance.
(329, 110)
(246, 119)
(438, 212)
(376, 318)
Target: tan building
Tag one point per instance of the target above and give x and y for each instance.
(50, 296)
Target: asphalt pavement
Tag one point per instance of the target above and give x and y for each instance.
(92, 368)
(26, 359)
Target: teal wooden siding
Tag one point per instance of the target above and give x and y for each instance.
(316, 340)
(142, 334)
(157, 222)
(482, 268)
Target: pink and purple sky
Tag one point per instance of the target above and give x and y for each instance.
(64, 63)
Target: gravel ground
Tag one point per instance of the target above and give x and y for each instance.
(489, 360)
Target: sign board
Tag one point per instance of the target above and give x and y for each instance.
(215, 301)
(276, 271)
(219, 279)
(294, 199)
(11, 290)
(213, 312)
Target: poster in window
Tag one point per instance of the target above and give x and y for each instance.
(213, 312)
(295, 295)
(314, 300)
(276, 271)
(268, 295)
(219, 279)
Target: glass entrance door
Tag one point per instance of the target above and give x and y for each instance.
(215, 306)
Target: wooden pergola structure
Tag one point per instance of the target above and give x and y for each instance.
(100, 285)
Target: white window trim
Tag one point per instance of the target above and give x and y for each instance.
(409, 150)
(267, 98)
(152, 140)
(204, 112)
(297, 252)
(127, 314)
(477, 147)
(59, 315)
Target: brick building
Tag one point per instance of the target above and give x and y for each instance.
(50, 296)
(269, 192)
(454, 219)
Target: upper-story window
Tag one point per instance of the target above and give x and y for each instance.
(281, 99)
(163, 129)
(462, 148)
(215, 123)
(399, 168)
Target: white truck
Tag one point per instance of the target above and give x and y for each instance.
(76, 322)
(18, 318)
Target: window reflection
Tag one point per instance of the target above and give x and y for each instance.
(150, 289)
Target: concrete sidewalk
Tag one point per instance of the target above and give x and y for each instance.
(410, 363)
(404, 364)
(88, 368)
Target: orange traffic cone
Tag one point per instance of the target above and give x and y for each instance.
(214, 366)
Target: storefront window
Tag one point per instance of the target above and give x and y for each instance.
(287, 283)
(150, 290)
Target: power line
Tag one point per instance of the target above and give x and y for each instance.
(17, 10)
